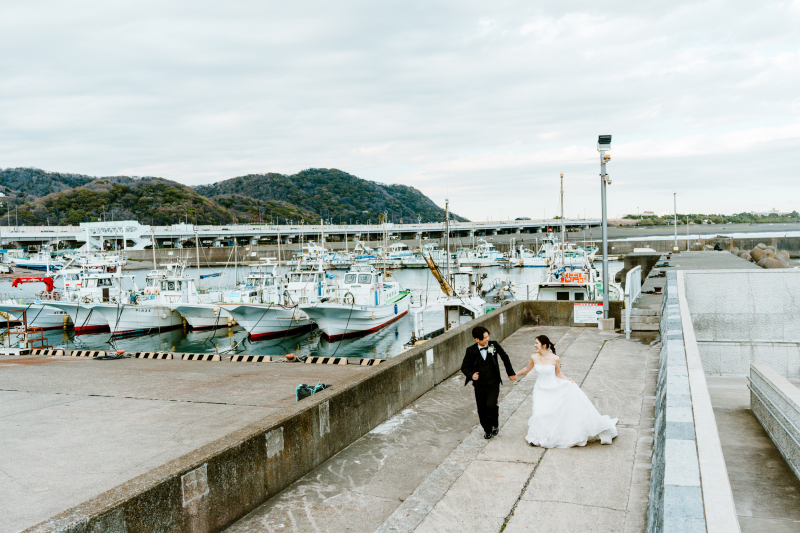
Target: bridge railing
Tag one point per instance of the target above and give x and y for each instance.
(633, 290)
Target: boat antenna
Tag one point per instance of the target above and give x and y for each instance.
(153, 242)
(563, 228)
(197, 248)
(447, 234)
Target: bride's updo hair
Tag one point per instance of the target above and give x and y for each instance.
(544, 341)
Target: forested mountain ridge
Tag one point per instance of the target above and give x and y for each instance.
(36, 197)
(333, 195)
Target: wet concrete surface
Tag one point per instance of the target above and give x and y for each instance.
(765, 490)
(429, 468)
(72, 428)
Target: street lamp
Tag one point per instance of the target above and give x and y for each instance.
(604, 147)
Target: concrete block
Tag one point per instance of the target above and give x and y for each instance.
(674, 524)
(681, 466)
(605, 324)
(683, 502)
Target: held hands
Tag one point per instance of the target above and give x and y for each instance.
(513, 378)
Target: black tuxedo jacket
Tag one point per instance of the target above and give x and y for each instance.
(472, 360)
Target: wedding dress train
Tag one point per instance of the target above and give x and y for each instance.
(563, 416)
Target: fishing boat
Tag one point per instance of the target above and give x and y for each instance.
(43, 260)
(484, 255)
(81, 287)
(281, 314)
(153, 308)
(365, 302)
(37, 314)
(260, 286)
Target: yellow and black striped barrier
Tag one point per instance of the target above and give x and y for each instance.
(87, 353)
(251, 359)
(201, 357)
(151, 355)
(326, 360)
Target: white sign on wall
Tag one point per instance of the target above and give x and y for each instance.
(587, 313)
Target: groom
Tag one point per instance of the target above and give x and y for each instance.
(481, 368)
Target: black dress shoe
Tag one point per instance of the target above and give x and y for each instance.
(487, 436)
(495, 431)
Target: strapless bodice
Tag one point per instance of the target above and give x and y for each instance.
(546, 376)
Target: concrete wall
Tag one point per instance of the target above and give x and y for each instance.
(776, 404)
(746, 316)
(676, 500)
(562, 313)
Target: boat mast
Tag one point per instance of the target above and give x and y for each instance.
(197, 247)
(235, 271)
(563, 229)
(280, 264)
(153, 242)
(447, 234)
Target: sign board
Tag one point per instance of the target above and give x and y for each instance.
(572, 277)
(587, 313)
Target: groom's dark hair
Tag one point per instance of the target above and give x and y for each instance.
(478, 331)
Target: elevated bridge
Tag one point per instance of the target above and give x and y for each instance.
(131, 235)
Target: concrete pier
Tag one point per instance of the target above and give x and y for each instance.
(72, 428)
(430, 469)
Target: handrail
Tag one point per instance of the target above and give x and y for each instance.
(633, 290)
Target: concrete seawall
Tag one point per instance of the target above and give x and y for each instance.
(216, 484)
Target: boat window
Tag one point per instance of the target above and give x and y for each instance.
(579, 296)
(364, 278)
(562, 295)
(171, 285)
(350, 278)
(270, 282)
(163, 285)
(91, 283)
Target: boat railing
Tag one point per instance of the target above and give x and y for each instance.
(633, 290)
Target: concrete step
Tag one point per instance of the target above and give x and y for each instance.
(636, 311)
(645, 319)
(644, 327)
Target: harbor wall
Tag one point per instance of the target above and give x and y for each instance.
(742, 317)
(689, 485)
(216, 484)
(776, 404)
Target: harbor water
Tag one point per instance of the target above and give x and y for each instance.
(383, 344)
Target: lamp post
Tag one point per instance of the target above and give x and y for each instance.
(604, 146)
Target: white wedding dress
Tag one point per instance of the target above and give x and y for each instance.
(563, 416)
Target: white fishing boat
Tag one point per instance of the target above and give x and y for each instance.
(260, 286)
(82, 287)
(281, 314)
(153, 310)
(38, 315)
(43, 260)
(484, 255)
(364, 303)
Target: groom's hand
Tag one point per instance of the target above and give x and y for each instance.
(475, 376)
(513, 378)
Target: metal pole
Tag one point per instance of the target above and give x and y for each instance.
(603, 177)
(563, 229)
(675, 205)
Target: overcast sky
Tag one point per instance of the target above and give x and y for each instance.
(482, 102)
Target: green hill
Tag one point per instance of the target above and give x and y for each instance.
(36, 197)
(333, 195)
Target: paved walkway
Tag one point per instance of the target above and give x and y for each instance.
(429, 468)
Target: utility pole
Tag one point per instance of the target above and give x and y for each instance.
(563, 229)
(447, 236)
(197, 248)
(675, 205)
(604, 146)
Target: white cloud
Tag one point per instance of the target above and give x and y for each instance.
(484, 103)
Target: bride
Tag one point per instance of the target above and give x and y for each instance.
(562, 414)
